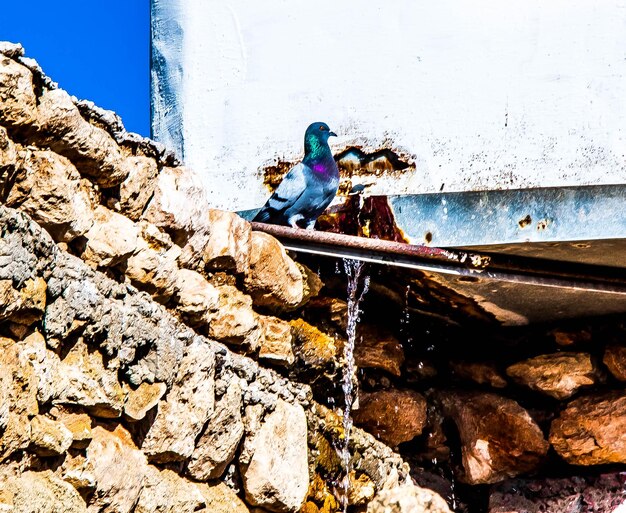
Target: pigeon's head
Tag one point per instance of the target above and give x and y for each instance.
(318, 132)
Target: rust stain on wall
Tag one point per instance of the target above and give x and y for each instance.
(352, 161)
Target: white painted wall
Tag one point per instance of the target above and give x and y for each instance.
(481, 94)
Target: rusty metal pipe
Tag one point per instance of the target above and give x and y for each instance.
(453, 262)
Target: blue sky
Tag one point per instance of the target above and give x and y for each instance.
(96, 50)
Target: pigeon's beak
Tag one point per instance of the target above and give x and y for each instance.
(332, 134)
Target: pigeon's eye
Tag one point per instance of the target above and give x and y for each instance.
(322, 128)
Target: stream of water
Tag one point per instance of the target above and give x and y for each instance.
(358, 284)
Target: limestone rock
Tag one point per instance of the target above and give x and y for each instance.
(312, 284)
(276, 346)
(85, 382)
(166, 492)
(378, 349)
(12, 50)
(50, 190)
(141, 400)
(10, 300)
(615, 360)
(49, 437)
(393, 416)
(591, 430)
(40, 492)
(277, 476)
(153, 267)
(111, 239)
(499, 439)
(220, 243)
(91, 149)
(45, 364)
(361, 490)
(79, 472)
(18, 103)
(32, 301)
(218, 444)
(313, 347)
(119, 469)
(79, 424)
(197, 299)
(219, 498)
(235, 322)
(25, 306)
(483, 373)
(19, 398)
(136, 190)
(558, 375)
(407, 498)
(274, 280)
(9, 163)
(188, 405)
(179, 203)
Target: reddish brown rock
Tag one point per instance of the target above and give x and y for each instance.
(499, 439)
(615, 360)
(565, 337)
(274, 280)
(378, 349)
(592, 493)
(483, 373)
(592, 430)
(558, 375)
(393, 416)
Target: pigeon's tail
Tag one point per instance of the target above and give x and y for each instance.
(269, 216)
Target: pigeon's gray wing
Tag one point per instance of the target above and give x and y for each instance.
(286, 194)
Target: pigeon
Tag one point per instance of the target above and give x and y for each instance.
(308, 188)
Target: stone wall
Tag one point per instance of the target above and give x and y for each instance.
(159, 355)
(127, 311)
